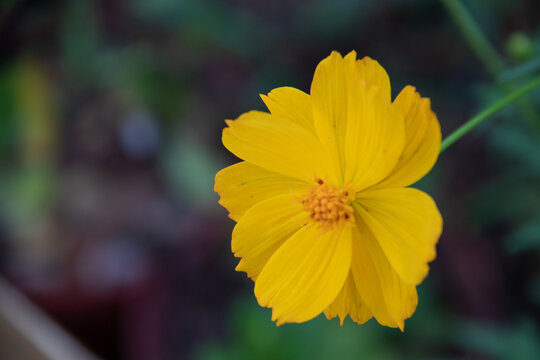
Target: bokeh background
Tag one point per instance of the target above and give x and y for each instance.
(111, 114)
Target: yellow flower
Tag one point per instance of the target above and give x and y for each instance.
(325, 220)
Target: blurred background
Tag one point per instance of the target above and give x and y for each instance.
(111, 114)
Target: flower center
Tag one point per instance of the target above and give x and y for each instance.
(329, 206)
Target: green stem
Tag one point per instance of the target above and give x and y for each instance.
(473, 122)
(493, 62)
(474, 36)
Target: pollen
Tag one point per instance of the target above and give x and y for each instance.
(329, 206)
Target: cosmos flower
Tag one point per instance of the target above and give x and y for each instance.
(326, 221)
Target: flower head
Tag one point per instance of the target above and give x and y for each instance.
(326, 221)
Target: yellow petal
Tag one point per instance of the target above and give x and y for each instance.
(263, 229)
(329, 98)
(423, 139)
(348, 302)
(276, 144)
(371, 72)
(407, 226)
(375, 136)
(305, 274)
(292, 104)
(389, 298)
(243, 185)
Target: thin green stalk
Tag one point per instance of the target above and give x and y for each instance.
(473, 122)
(493, 62)
(474, 36)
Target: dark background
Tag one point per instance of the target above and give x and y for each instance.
(110, 122)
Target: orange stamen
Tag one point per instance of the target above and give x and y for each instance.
(329, 206)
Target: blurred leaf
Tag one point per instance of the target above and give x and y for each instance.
(79, 39)
(520, 46)
(136, 76)
(534, 290)
(518, 341)
(525, 237)
(29, 125)
(27, 194)
(428, 330)
(527, 69)
(516, 145)
(190, 169)
(162, 12)
(210, 23)
(9, 127)
(36, 113)
(508, 198)
(328, 19)
(255, 337)
(511, 193)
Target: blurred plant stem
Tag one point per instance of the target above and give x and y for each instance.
(476, 120)
(492, 61)
(474, 36)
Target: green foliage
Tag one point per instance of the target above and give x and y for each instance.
(178, 59)
(189, 169)
(518, 341)
(253, 336)
(520, 46)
